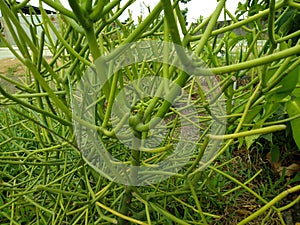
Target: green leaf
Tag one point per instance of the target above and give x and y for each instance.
(296, 179)
(270, 107)
(293, 109)
(285, 87)
(234, 39)
(275, 153)
(286, 21)
(268, 137)
(253, 114)
(241, 142)
(251, 139)
(296, 91)
(289, 82)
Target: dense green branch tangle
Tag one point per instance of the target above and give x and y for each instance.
(43, 176)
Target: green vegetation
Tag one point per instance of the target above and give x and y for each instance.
(44, 177)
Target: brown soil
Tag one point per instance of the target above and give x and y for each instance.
(11, 69)
(9, 66)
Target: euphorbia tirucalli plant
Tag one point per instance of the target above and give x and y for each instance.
(102, 67)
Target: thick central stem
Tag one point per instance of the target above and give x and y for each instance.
(135, 162)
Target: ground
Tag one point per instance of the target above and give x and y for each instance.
(11, 65)
(11, 69)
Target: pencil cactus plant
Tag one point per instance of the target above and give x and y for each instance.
(118, 97)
